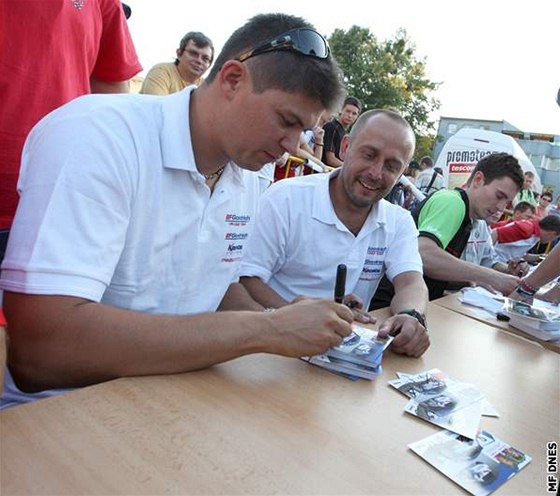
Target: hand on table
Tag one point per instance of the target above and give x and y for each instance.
(411, 337)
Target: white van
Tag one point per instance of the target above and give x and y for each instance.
(467, 146)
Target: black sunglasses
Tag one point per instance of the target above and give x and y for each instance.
(302, 40)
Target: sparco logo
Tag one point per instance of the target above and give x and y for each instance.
(234, 236)
(466, 155)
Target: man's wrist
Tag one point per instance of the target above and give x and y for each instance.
(420, 317)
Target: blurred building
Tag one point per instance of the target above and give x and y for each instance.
(543, 150)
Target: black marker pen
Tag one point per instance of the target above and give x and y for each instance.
(340, 285)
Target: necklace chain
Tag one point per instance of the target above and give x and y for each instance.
(218, 173)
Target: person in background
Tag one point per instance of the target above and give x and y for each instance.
(307, 226)
(522, 211)
(194, 56)
(313, 140)
(429, 180)
(527, 194)
(445, 222)
(336, 129)
(541, 210)
(514, 240)
(151, 202)
(40, 73)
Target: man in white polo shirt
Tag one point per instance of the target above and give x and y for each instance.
(135, 211)
(306, 226)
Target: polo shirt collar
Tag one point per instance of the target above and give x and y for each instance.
(176, 143)
(323, 209)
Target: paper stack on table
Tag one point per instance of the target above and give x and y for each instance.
(444, 401)
(358, 356)
(474, 459)
(540, 321)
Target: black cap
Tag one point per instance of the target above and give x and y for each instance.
(127, 10)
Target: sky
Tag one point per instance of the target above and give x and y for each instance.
(495, 59)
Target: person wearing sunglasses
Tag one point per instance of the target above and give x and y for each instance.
(136, 210)
(194, 56)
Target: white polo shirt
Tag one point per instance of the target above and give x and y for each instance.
(298, 242)
(113, 209)
(480, 249)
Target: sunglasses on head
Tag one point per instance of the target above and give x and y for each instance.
(302, 40)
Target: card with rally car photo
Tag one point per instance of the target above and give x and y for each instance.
(480, 465)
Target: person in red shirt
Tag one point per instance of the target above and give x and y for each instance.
(522, 211)
(52, 51)
(515, 239)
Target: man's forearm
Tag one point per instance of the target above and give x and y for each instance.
(441, 265)
(238, 298)
(410, 293)
(262, 293)
(60, 341)
(64, 341)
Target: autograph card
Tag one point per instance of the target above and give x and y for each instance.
(432, 383)
(457, 409)
(479, 465)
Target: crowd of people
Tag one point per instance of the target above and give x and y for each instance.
(151, 236)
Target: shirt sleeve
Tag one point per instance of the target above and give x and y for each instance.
(116, 59)
(402, 254)
(441, 217)
(71, 225)
(266, 250)
(515, 231)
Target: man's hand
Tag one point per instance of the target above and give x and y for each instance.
(411, 337)
(355, 303)
(518, 268)
(308, 327)
(500, 282)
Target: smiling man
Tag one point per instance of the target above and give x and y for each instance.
(445, 221)
(135, 211)
(194, 56)
(309, 225)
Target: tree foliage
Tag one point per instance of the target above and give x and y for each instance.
(388, 74)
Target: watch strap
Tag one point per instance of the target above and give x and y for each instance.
(416, 314)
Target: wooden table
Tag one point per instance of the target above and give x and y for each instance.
(451, 302)
(271, 425)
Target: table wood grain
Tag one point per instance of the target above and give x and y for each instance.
(265, 424)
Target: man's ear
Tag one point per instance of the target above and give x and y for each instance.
(179, 53)
(344, 144)
(232, 76)
(478, 179)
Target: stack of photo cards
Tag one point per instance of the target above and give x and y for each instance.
(444, 401)
(539, 320)
(479, 465)
(358, 356)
